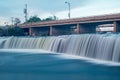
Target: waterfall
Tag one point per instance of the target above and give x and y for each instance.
(98, 46)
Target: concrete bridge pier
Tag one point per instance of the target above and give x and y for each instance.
(78, 29)
(115, 26)
(30, 31)
(51, 31)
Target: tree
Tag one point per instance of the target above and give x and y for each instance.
(34, 19)
(50, 18)
(16, 31)
(17, 21)
(55, 18)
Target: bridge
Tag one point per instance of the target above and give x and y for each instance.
(70, 26)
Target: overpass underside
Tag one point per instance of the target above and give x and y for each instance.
(56, 30)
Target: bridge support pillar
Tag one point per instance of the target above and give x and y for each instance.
(51, 31)
(115, 26)
(78, 29)
(30, 31)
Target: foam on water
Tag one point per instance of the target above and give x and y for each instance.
(62, 55)
(27, 51)
(37, 64)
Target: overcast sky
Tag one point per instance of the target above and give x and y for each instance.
(46, 8)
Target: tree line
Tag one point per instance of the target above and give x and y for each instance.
(15, 30)
(12, 31)
(37, 19)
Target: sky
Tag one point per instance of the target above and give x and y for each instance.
(47, 8)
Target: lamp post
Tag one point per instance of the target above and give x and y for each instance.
(68, 7)
(25, 12)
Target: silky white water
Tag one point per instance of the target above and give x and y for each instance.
(104, 47)
(87, 57)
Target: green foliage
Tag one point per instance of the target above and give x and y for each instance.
(48, 19)
(37, 19)
(17, 21)
(16, 31)
(34, 19)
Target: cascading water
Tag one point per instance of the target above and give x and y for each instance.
(40, 58)
(105, 47)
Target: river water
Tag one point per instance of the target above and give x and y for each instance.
(73, 57)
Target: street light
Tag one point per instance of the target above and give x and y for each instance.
(25, 12)
(69, 8)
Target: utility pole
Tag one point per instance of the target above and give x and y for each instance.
(69, 8)
(25, 12)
